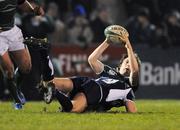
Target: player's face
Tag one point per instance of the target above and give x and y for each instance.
(124, 69)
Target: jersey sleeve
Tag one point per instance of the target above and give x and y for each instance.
(134, 88)
(131, 95)
(20, 2)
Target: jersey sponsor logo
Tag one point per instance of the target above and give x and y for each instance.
(111, 72)
(107, 80)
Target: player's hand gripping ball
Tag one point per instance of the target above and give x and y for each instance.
(116, 34)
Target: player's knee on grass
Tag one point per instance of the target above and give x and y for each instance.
(79, 103)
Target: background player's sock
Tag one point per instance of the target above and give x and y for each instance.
(19, 78)
(13, 89)
(64, 101)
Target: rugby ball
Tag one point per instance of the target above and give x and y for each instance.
(115, 33)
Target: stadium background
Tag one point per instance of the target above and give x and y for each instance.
(78, 27)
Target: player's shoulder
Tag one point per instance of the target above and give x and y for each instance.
(108, 71)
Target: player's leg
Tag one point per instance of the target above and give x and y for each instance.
(64, 100)
(19, 53)
(71, 87)
(63, 84)
(23, 62)
(8, 68)
(22, 59)
(63, 87)
(48, 70)
(72, 84)
(12, 41)
(77, 105)
(47, 84)
(30, 81)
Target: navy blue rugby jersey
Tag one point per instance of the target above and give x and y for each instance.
(110, 77)
(7, 12)
(114, 85)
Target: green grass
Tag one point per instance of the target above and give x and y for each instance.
(152, 115)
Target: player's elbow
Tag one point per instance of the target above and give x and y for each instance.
(132, 110)
(130, 106)
(91, 60)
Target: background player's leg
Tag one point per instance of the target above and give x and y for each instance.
(30, 81)
(47, 84)
(22, 59)
(23, 62)
(48, 70)
(9, 72)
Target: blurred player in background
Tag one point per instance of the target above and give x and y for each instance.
(35, 30)
(11, 42)
(115, 87)
(42, 72)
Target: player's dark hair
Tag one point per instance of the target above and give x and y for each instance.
(124, 56)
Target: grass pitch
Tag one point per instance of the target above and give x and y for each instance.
(152, 115)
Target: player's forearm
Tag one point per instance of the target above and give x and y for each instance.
(97, 53)
(94, 58)
(26, 7)
(132, 58)
(31, 7)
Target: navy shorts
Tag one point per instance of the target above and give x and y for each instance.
(87, 86)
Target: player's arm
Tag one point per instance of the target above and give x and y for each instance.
(30, 7)
(94, 59)
(133, 63)
(130, 106)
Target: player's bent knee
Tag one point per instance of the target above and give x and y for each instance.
(78, 109)
(79, 103)
(74, 110)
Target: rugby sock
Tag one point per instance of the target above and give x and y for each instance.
(48, 70)
(19, 77)
(13, 89)
(64, 101)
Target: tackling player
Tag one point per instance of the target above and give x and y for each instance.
(115, 87)
(11, 42)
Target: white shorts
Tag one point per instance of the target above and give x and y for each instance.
(11, 40)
